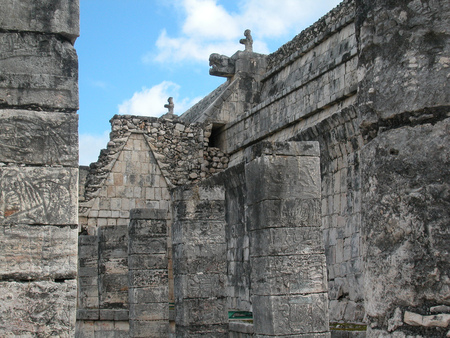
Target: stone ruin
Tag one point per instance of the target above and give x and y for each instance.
(307, 196)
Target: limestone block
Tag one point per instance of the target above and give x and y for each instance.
(206, 311)
(286, 241)
(146, 295)
(405, 217)
(203, 331)
(284, 214)
(155, 311)
(194, 258)
(23, 313)
(198, 231)
(38, 195)
(148, 278)
(46, 16)
(149, 246)
(147, 262)
(284, 315)
(33, 252)
(199, 209)
(38, 69)
(437, 320)
(289, 177)
(39, 138)
(143, 229)
(149, 329)
(199, 286)
(280, 275)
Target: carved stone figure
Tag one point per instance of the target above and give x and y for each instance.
(170, 105)
(221, 65)
(248, 41)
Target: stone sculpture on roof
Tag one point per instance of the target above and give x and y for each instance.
(248, 41)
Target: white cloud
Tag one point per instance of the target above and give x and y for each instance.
(209, 28)
(90, 146)
(151, 101)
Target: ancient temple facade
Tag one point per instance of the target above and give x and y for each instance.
(307, 196)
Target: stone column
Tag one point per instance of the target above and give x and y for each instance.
(199, 262)
(38, 167)
(148, 273)
(288, 268)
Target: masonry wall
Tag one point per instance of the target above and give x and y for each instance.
(38, 167)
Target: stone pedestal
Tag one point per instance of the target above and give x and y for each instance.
(288, 278)
(148, 273)
(200, 267)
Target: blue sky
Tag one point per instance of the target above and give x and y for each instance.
(134, 54)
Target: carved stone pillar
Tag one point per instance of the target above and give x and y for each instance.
(199, 262)
(288, 278)
(148, 273)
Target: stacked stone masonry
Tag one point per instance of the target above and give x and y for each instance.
(38, 168)
(363, 94)
(183, 220)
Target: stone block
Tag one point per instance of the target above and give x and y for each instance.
(289, 177)
(305, 148)
(206, 311)
(147, 262)
(148, 245)
(139, 228)
(39, 70)
(286, 241)
(146, 295)
(285, 315)
(154, 311)
(148, 278)
(194, 258)
(199, 209)
(198, 231)
(284, 214)
(149, 329)
(87, 314)
(202, 331)
(46, 16)
(279, 275)
(34, 252)
(38, 138)
(38, 195)
(113, 283)
(147, 214)
(199, 286)
(23, 313)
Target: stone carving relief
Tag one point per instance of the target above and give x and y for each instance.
(221, 65)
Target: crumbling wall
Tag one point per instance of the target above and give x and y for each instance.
(38, 167)
(403, 105)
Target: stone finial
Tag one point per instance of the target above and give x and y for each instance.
(170, 105)
(248, 41)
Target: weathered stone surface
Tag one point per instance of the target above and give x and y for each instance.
(156, 294)
(38, 308)
(200, 285)
(290, 314)
(289, 275)
(202, 312)
(438, 320)
(286, 241)
(194, 232)
(283, 178)
(150, 329)
(39, 70)
(405, 216)
(195, 258)
(403, 65)
(38, 195)
(39, 138)
(46, 16)
(284, 213)
(35, 252)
